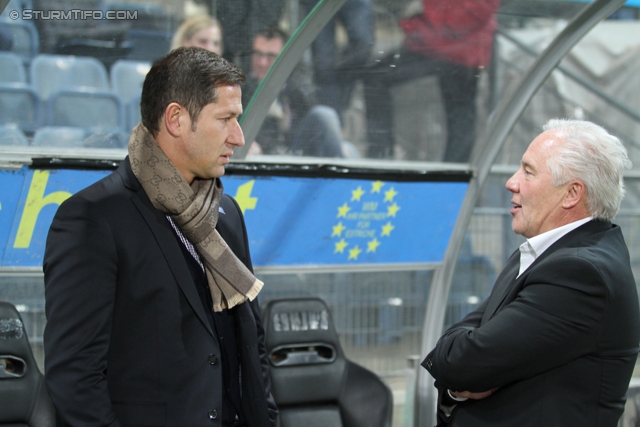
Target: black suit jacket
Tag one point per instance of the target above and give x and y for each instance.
(127, 340)
(559, 342)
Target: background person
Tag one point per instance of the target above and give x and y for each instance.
(336, 69)
(295, 123)
(556, 342)
(150, 296)
(240, 20)
(199, 31)
(451, 40)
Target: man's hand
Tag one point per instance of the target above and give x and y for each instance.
(470, 395)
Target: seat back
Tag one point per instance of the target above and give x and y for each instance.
(52, 73)
(127, 78)
(132, 111)
(25, 401)
(20, 105)
(11, 135)
(24, 37)
(149, 45)
(86, 108)
(313, 383)
(74, 137)
(11, 68)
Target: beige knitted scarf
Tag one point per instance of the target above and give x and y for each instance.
(194, 209)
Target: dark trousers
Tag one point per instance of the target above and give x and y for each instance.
(458, 86)
(335, 71)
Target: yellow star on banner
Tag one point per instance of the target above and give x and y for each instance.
(243, 196)
(338, 229)
(353, 253)
(391, 210)
(390, 194)
(340, 246)
(376, 186)
(386, 229)
(357, 193)
(373, 245)
(343, 210)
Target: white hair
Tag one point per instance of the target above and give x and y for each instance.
(588, 153)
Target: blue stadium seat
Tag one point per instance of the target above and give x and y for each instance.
(133, 112)
(148, 45)
(24, 35)
(127, 78)
(11, 135)
(86, 108)
(12, 68)
(52, 73)
(74, 137)
(20, 105)
(59, 136)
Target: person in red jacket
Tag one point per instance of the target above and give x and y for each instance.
(450, 39)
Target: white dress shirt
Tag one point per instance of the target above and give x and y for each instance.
(535, 246)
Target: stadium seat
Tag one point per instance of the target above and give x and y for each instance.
(24, 397)
(148, 45)
(59, 136)
(12, 68)
(127, 78)
(313, 383)
(73, 137)
(86, 108)
(11, 135)
(132, 110)
(24, 35)
(52, 73)
(20, 105)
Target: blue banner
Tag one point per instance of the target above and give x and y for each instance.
(291, 221)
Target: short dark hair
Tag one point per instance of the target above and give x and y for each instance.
(189, 76)
(273, 32)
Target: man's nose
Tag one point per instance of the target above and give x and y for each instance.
(236, 136)
(511, 184)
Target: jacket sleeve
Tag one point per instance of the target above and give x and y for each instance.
(447, 406)
(554, 319)
(460, 16)
(80, 288)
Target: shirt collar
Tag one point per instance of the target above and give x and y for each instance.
(535, 246)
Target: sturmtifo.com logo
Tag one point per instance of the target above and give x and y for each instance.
(73, 14)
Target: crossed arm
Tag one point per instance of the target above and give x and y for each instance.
(554, 319)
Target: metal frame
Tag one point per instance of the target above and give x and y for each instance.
(505, 119)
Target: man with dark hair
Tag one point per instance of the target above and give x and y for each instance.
(150, 295)
(295, 124)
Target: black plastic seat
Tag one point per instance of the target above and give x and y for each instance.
(313, 383)
(25, 401)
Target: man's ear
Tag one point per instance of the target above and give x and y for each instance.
(576, 193)
(174, 119)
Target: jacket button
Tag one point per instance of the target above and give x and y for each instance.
(212, 359)
(213, 414)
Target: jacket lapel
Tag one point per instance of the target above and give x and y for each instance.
(504, 284)
(507, 279)
(167, 242)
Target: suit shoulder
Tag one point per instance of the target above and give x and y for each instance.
(107, 193)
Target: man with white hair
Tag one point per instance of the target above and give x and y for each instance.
(556, 342)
